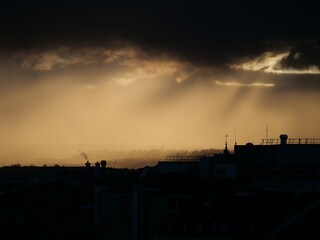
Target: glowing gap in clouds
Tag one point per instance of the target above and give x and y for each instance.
(135, 63)
(236, 84)
(269, 62)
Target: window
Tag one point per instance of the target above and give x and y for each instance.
(184, 226)
(125, 202)
(168, 225)
(176, 202)
(221, 173)
(199, 226)
(107, 224)
(213, 226)
(222, 226)
(252, 227)
(128, 224)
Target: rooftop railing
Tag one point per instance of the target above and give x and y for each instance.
(291, 141)
(183, 158)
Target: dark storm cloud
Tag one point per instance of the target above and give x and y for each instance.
(199, 39)
(303, 56)
(203, 32)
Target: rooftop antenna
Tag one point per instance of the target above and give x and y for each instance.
(226, 139)
(267, 131)
(226, 151)
(235, 136)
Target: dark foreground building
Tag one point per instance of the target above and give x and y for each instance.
(267, 191)
(281, 164)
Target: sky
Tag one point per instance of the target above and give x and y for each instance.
(155, 74)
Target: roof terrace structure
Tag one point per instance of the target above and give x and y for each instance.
(183, 158)
(291, 141)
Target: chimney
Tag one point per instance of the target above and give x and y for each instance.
(87, 164)
(283, 139)
(103, 163)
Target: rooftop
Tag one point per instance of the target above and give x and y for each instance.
(291, 141)
(183, 158)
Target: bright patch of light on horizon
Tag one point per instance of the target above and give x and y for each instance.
(90, 87)
(125, 81)
(269, 62)
(236, 84)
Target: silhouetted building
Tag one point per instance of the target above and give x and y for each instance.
(282, 164)
(218, 166)
(267, 191)
(180, 164)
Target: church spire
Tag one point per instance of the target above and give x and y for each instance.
(226, 151)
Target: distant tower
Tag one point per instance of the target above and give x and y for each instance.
(226, 151)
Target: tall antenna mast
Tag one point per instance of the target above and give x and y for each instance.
(226, 151)
(226, 139)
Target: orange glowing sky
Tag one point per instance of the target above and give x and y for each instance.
(132, 79)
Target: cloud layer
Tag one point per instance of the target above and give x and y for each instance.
(290, 62)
